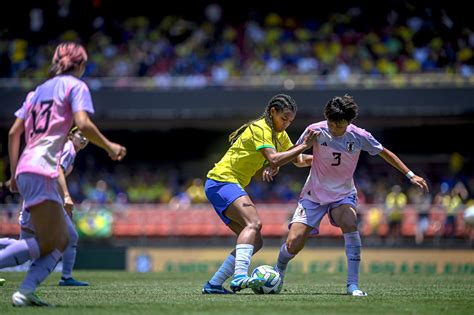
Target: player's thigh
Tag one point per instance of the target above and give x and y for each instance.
(344, 215)
(49, 224)
(243, 211)
(297, 235)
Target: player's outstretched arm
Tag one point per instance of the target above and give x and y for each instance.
(91, 132)
(14, 140)
(303, 160)
(68, 202)
(276, 159)
(392, 159)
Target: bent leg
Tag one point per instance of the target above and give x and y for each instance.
(243, 212)
(295, 241)
(50, 226)
(51, 231)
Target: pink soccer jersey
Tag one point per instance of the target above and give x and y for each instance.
(334, 162)
(48, 115)
(67, 157)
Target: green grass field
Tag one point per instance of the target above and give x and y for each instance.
(170, 293)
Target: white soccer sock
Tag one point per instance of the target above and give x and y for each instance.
(224, 272)
(243, 253)
(353, 245)
(284, 258)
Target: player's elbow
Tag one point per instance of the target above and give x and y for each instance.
(82, 122)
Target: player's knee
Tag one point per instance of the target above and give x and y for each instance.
(348, 227)
(255, 225)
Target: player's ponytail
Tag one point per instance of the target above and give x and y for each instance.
(280, 102)
(68, 56)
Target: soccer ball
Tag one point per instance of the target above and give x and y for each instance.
(273, 283)
(469, 216)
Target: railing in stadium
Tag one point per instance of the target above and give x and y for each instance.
(288, 82)
(159, 220)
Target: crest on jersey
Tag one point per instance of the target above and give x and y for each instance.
(350, 146)
(300, 210)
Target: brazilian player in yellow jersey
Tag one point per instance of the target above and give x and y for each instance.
(261, 143)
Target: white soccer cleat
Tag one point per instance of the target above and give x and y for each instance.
(20, 299)
(2, 281)
(354, 291)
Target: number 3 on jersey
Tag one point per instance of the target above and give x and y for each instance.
(41, 112)
(337, 157)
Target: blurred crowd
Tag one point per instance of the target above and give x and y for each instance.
(387, 203)
(148, 183)
(210, 48)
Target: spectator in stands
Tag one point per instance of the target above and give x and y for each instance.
(374, 219)
(214, 51)
(196, 191)
(101, 193)
(423, 206)
(395, 202)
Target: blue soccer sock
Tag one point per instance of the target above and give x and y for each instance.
(353, 246)
(224, 272)
(39, 270)
(19, 252)
(243, 254)
(284, 258)
(5, 241)
(69, 255)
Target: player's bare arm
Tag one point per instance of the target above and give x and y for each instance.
(276, 159)
(14, 140)
(392, 159)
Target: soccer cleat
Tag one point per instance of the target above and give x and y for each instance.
(2, 281)
(20, 299)
(215, 289)
(282, 274)
(71, 282)
(354, 290)
(240, 282)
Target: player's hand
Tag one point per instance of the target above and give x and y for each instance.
(117, 152)
(420, 182)
(269, 173)
(310, 137)
(11, 184)
(68, 205)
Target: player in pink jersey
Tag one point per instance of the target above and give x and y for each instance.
(76, 142)
(46, 117)
(330, 188)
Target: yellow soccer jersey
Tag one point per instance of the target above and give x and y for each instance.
(243, 158)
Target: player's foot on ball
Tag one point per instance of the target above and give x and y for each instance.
(353, 290)
(240, 282)
(282, 274)
(71, 282)
(20, 299)
(215, 289)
